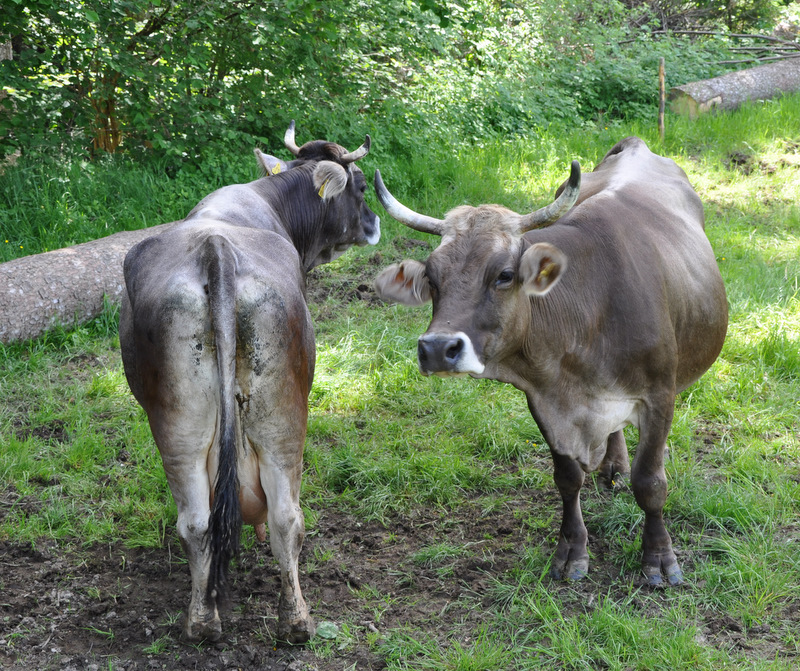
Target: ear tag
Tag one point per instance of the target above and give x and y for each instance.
(544, 273)
(322, 188)
(276, 169)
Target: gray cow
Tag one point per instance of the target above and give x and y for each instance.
(600, 308)
(218, 348)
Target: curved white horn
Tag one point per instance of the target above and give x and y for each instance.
(361, 152)
(419, 222)
(559, 207)
(288, 139)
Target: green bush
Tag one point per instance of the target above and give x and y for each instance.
(169, 80)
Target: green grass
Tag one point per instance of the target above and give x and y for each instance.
(383, 441)
(46, 203)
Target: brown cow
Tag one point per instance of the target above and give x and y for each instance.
(600, 312)
(218, 348)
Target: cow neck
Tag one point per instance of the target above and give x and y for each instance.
(301, 217)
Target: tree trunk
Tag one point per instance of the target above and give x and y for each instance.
(731, 90)
(64, 286)
(6, 54)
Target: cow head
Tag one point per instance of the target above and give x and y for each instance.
(340, 187)
(480, 279)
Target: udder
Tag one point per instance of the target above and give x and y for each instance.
(252, 498)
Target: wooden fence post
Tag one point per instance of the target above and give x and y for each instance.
(662, 98)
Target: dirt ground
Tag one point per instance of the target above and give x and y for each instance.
(118, 608)
(113, 607)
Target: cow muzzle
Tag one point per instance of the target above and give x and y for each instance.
(447, 354)
(372, 232)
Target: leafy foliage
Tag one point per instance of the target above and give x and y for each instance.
(149, 77)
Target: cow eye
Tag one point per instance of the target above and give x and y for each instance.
(505, 278)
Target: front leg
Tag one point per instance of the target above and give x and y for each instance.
(571, 560)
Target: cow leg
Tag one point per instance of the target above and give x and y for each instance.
(281, 482)
(616, 464)
(190, 489)
(184, 438)
(649, 484)
(571, 560)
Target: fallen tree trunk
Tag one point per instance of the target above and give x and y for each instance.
(65, 286)
(731, 90)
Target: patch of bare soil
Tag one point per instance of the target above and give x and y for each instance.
(117, 608)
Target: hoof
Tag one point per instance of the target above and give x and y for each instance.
(616, 482)
(574, 570)
(673, 574)
(210, 630)
(297, 632)
(577, 574)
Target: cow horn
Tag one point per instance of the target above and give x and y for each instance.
(288, 139)
(419, 222)
(559, 207)
(361, 152)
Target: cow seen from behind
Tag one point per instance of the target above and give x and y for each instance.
(218, 348)
(600, 307)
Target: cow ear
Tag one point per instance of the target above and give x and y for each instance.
(541, 268)
(404, 283)
(330, 179)
(269, 165)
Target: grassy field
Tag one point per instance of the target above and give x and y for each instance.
(449, 480)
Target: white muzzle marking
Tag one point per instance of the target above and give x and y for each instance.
(448, 354)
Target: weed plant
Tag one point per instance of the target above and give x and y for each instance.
(384, 442)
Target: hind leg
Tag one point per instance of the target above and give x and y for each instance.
(187, 474)
(649, 484)
(202, 619)
(275, 380)
(616, 464)
(281, 481)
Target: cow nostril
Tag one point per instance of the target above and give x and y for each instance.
(454, 348)
(422, 352)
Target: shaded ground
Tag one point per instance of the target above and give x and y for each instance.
(118, 608)
(114, 607)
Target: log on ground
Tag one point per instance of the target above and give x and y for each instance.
(729, 91)
(63, 287)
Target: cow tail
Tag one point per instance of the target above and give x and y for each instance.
(225, 520)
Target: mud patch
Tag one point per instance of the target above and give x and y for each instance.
(102, 607)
